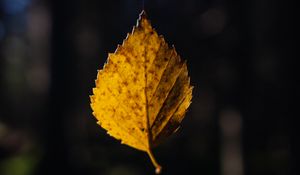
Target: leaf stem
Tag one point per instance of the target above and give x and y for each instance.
(154, 162)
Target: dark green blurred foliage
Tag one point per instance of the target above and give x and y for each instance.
(237, 54)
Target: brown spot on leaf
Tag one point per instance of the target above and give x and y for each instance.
(137, 96)
(119, 89)
(125, 83)
(151, 71)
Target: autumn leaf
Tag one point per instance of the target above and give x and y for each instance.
(143, 91)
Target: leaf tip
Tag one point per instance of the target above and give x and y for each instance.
(142, 19)
(143, 14)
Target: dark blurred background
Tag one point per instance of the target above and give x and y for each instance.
(237, 54)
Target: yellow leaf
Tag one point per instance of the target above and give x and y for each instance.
(143, 91)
